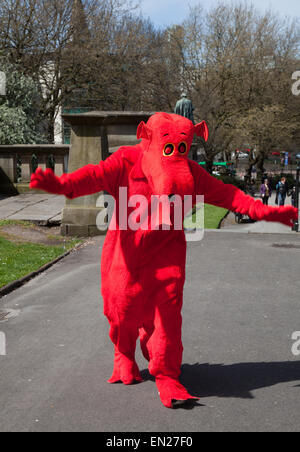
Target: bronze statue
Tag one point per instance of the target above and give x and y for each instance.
(184, 107)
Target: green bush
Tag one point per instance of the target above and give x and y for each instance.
(19, 108)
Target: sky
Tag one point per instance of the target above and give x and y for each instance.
(168, 12)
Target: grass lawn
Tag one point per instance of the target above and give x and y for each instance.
(212, 217)
(20, 259)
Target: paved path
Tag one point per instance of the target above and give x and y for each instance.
(39, 207)
(241, 308)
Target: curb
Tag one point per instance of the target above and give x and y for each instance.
(5, 290)
(285, 234)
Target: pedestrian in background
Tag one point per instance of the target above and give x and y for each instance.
(252, 188)
(281, 190)
(292, 194)
(265, 192)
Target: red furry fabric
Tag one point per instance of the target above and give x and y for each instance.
(231, 198)
(143, 271)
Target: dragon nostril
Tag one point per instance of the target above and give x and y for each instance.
(182, 148)
(169, 149)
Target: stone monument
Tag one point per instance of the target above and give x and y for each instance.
(94, 136)
(184, 107)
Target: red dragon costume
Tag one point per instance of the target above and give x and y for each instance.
(143, 271)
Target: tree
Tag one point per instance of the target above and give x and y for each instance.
(19, 109)
(126, 51)
(235, 61)
(100, 54)
(267, 128)
(47, 39)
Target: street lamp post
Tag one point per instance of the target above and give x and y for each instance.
(296, 223)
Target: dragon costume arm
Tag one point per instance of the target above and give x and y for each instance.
(230, 197)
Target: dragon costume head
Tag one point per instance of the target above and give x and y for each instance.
(166, 141)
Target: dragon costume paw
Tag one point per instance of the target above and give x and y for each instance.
(172, 393)
(125, 370)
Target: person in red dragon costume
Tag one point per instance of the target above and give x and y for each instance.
(143, 270)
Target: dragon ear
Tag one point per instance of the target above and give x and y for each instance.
(143, 131)
(201, 130)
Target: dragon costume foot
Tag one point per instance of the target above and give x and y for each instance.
(125, 370)
(172, 393)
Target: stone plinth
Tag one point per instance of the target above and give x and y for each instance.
(94, 136)
(7, 164)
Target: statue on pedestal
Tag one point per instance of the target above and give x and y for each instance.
(184, 107)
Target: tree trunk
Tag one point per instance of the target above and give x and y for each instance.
(260, 166)
(51, 127)
(209, 156)
(50, 133)
(260, 163)
(251, 163)
(209, 165)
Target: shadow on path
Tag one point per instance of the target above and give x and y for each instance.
(7, 188)
(234, 380)
(237, 380)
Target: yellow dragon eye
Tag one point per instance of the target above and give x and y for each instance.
(182, 147)
(169, 149)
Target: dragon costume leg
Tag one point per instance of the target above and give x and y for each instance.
(124, 336)
(165, 352)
